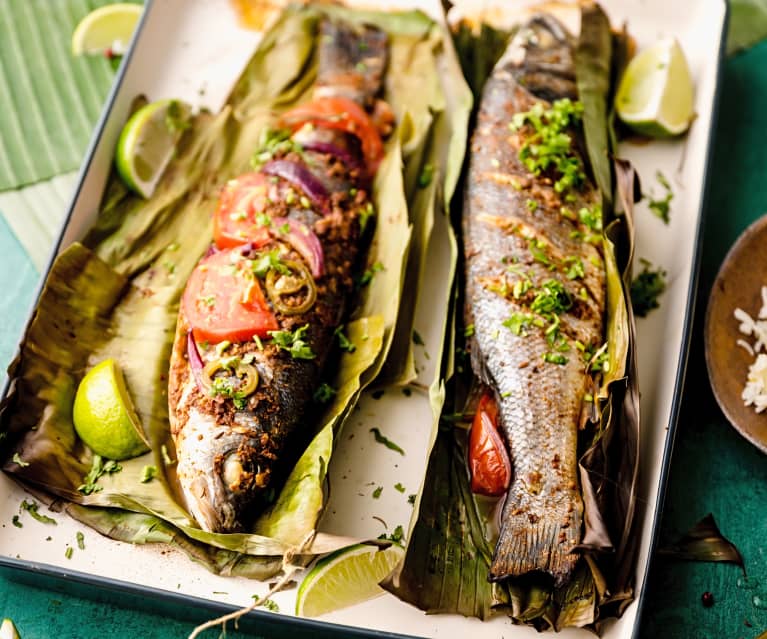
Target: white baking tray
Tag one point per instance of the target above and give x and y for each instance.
(194, 50)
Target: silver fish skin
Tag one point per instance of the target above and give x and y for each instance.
(508, 240)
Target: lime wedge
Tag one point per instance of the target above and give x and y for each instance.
(147, 143)
(106, 29)
(104, 416)
(345, 578)
(655, 95)
(8, 630)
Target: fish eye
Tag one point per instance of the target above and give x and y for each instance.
(233, 472)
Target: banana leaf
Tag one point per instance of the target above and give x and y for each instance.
(117, 295)
(447, 560)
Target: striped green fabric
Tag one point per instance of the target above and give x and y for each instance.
(49, 100)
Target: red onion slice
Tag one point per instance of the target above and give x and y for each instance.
(297, 173)
(347, 157)
(305, 241)
(195, 360)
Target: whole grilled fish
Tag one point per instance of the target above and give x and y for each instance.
(535, 290)
(288, 239)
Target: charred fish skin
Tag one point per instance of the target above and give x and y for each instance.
(531, 311)
(228, 455)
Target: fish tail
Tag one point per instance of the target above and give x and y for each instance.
(527, 544)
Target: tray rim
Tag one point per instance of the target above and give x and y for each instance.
(13, 566)
(689, 320)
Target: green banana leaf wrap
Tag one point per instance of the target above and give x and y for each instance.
(448, 555)
(117, 295)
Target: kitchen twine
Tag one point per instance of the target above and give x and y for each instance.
(288, 568)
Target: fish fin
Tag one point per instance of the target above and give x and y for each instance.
(527, 545)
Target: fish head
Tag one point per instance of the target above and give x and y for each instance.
(219, 474)
(540, 56)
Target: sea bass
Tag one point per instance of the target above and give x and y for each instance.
(535, 290)
(260, 312)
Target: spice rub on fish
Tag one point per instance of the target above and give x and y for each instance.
(535, 291)
(259, 312)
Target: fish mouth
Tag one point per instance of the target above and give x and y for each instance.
(219, 477)
(540, 57)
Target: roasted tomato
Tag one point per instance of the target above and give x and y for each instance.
(223, 300)
(489, 463)
(236, 220)
(343, 114)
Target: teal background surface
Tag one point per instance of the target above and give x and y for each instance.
(713, 469)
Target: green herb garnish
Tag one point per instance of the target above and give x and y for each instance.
(98, 468)
(324, 393)
(411, 499)
(175, 118)
(69, 552)
(367, 276)
(427, 174)
(269, 604)
(148, 473)
(32, 507)
(293, 342)
(367, 212)
(550, 147)
(386, 441)
(661, 207)
(80, 540)
(551, 298)
(267, 261)
(469, 330)
(646, 288)
(396, 536)
(15, 521)
(273, 143)
(555, 358)
(377, 492)
(344, 342)
(399, 487)
(18, 460)
(591, 217)
(417, 339)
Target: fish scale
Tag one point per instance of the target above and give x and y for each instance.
(506, 238)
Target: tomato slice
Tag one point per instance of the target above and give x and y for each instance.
(223, 300)
(241, 200)
(489, 463)
(344, 114)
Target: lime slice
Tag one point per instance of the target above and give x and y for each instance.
(655, 95)
(104, 416)
(147, 143)
(8, 630)
(345, 578)
(106, 29)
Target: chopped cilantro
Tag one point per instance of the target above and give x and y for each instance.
(98, 468)
(411, 499)
(32, 507)
(591, 217)
(377, 492)
(574, 266)
(427, 174)
(80, 540)
(385, 441)
(18, 460)
(293, 342)
(662, 206)
(15, 521)
(399, 487)
(175, 118)
(551, 298)
(267, 261)
(344, 342)
(269, 604)
(532, 205)
(324, 393)
(148, 473)
(417, 339)
(272, 143)
(555, 358)
(367, 276)
(518, 323)
(263, 219)
(365, 214)
(396, 536)
(646, 288)
(550, 147)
